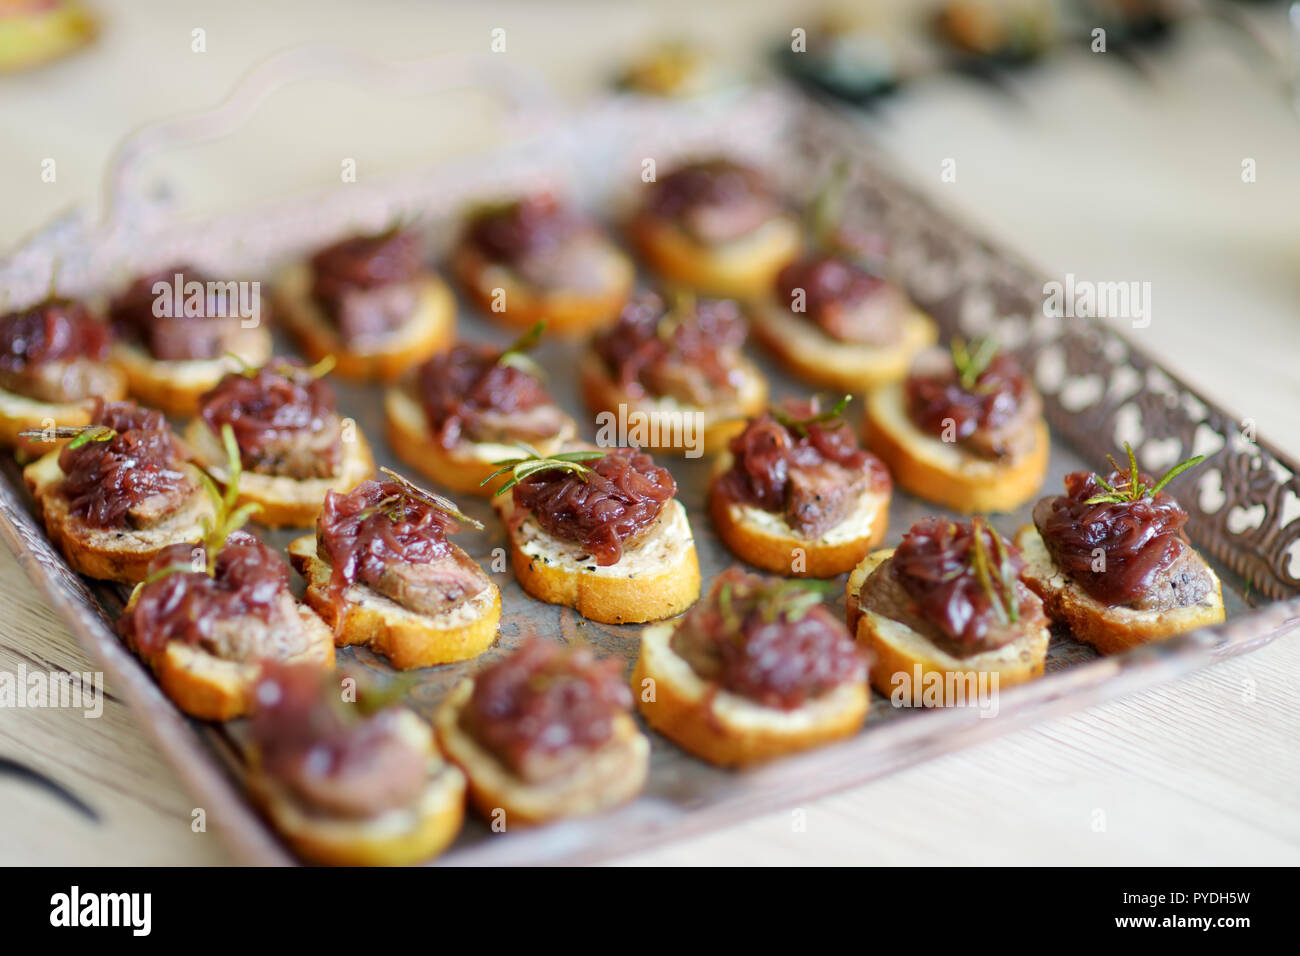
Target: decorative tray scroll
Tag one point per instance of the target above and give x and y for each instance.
(1099, 391)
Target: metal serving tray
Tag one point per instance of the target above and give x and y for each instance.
(1098, 389)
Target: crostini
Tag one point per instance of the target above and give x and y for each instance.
(349, 781)
(177, 332)
(381, 571)
(537, 259)
(674, 376)
(209, 613)
(1111, 561)
(995, 30)
(946, 615)
(717, 226)
(600, 531)
(546, 732)
(964, 430)
(293, 445)
(832, 322)
(758, 669)
(53, 364)
(118, 493)
(795, 494)
(460, 411)
(370, 303)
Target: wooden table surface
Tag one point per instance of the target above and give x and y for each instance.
(1102, 169)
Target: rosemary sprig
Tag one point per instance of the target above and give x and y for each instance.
(784, 598)
(972, 360)
(516, 356)
(825, 211)
(534, 461)
(228, 515)
(678, 313)
(997, 581)
(413, 491)
(80, 434)
(286, 368)
(831, 417)
(1133, 488)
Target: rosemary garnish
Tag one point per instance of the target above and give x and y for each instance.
(679, 312)
(285, 367)
(228, 515)
(1133, 488)
(534, 461)
(831, 417)
(997, 581)
(782, 598)
(80, 434)
(516, 356)
(972, 360)
(826, 208)
(413, 492)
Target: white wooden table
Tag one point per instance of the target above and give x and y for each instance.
(1093, 174)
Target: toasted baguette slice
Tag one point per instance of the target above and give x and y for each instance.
(209, 687)
(766, 541)
(815, 357)
(725, 728)
(110, 555)
(669, 425)
(175, 386)
(504, 296)
(462, 469)
(286, 502)
(900, 653)
(612, 774)
(1112, 630)
(743, 269)
(407, 638)
(19, 413)
(432, 328)
(395, 838)
(943, 473)
(658, 578)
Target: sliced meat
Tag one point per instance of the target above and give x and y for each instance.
(300, 454)
(60, 381)
(162, 505)
(278, 632)
(365, 314)
(534, 424)
(1183, 582)
(819, 497)
(433, 587)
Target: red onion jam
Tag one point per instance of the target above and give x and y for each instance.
(846, 301)
(50, 331)
(655, 351)
(934, 565)
(769, 640)
(284, 420)
(248, 579)
(714, 200)
(979, 417)
(330, 755)
(1139, 540)
(605, 507)
(106, 483)
(813, 479)
(468, 394)
(545, 707)
(535, 225)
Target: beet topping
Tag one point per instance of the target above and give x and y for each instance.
(469, 394)
(546, 707)
(810, 472)
(604, 506)
(690, 352)
(846, 301)
(381, 536)
(514, 231)
(1147, 561)
(366, 284)
(990, 416)
(132, 479)
(970, 595)
(714, 200)
(284, 420)
(767, 639)
(248, 579)
(332, 756)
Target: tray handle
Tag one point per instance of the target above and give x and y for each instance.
(528, 99)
